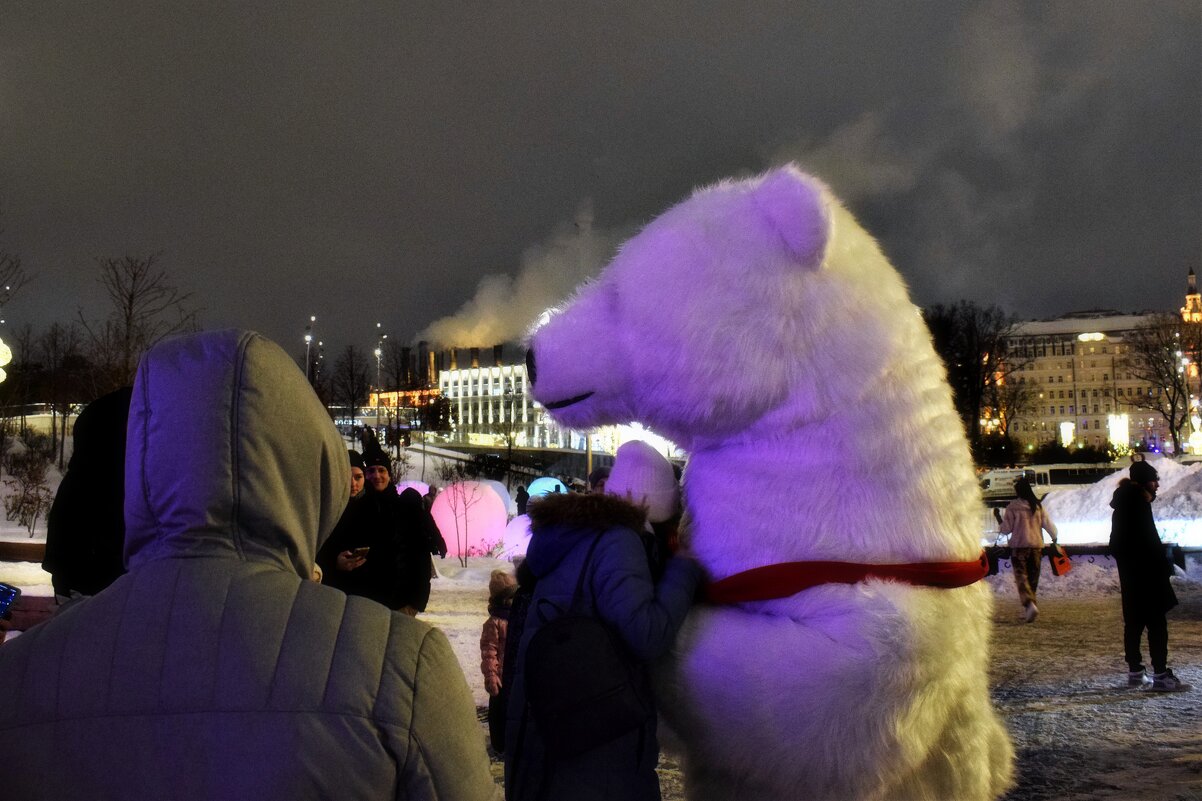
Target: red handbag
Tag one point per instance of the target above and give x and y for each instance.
(1059, 561)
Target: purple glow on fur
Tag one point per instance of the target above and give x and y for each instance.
(758, 326)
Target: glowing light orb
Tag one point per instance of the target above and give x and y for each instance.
(503, 493)
(517, 537)
(544, 485)
(422, 487)
(471, 517)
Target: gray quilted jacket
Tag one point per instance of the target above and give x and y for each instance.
(214, 669)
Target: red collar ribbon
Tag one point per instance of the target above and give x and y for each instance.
(789, 578)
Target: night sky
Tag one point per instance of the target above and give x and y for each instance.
(448, 169)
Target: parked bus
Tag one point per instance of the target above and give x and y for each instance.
(997, 486)
(1048, 477)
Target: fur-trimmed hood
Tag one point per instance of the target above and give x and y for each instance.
(559, 521)
(1127, 494)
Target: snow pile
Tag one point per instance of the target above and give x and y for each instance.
(1082, 514)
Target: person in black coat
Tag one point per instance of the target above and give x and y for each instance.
(394, 570)
(85, 529)
(416, 506)
(1144, 571)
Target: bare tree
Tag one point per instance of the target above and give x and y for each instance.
(350, 381)
(16, 390)
(1009, 400)
(63, 368)
(1159, 354)
(146, 307)
(972, 341)
(462, 494)
(12, 275)
(29, 492)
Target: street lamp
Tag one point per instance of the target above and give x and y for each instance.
(378, 352)
(308, 343)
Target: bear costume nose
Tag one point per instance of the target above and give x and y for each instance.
(530, 371)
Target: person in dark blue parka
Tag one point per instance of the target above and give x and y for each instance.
(645, 613)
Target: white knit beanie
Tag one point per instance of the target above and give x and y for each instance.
(644, 477)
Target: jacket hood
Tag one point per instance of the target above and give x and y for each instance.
(1127, 493)
(558, 521)
(229, 453)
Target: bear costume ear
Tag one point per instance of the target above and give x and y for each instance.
(795, 207)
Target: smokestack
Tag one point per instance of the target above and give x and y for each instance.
(432, 369)
(423, 353)
(475, 357)
(454, 359)
(407, 367)
(498, 354)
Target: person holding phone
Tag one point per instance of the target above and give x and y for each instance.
(215, 668)
(341, 554)
(380, 549)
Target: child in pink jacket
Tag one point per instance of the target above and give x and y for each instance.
(501, 587)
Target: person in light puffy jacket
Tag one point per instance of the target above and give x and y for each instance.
(1025, 520)
(214, 668)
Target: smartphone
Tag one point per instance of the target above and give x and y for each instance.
(360, 553)
(8, 594)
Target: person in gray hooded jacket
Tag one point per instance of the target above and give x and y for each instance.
(214, 668)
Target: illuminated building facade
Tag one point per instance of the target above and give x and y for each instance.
(1075, 365)
(1191, 312)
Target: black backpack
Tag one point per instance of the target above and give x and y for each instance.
(583, 686)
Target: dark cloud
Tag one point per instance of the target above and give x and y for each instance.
(423, 164)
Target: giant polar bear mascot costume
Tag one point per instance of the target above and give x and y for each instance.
(761, 328)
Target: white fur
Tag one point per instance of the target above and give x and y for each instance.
(760, 327)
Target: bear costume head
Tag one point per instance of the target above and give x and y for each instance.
(762, 329)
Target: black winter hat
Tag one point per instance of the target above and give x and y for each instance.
(377, 458)
(1141, 472)
(356, 459)
(600, 474)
